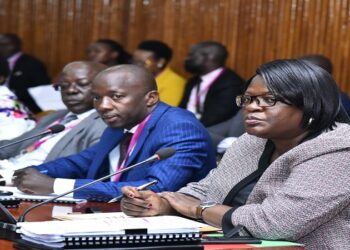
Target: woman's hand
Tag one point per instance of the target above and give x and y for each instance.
(143, 203)
(183, 204)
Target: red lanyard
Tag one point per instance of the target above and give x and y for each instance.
(38, 143)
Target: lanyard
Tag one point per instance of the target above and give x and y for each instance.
(204, 91)
(38, 143)
(132, 144)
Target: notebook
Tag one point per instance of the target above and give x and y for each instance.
(31, 197)
(119, 232)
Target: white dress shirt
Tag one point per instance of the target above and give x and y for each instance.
(38, 156)
(62, 185)
(204, 87)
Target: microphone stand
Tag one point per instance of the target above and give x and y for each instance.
(27, 138)
(52, 130)
(22, 217)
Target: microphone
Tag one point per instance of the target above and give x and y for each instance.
(51, 130)
(161, 154)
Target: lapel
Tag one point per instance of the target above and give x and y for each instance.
(156, 114)
(17, 69)
(110, 139)
(81, 126)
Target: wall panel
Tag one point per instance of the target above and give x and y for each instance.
(254, 31)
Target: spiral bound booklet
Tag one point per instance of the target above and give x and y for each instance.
(31, 197)
(120, 232)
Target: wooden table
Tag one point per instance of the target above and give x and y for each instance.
(44, 213)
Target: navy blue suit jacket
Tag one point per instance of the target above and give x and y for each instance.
(167, 127)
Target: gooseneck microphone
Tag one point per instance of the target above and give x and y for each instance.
(161, 154)
(51, 130)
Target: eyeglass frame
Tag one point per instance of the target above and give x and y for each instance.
(258, 100)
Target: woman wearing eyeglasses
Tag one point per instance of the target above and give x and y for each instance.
(287, 177)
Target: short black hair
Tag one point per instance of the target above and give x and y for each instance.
(159, 49)
(4, 67)
(218, 50)
(14, 39)
(124, 56)
(308, 87)
(319, 60)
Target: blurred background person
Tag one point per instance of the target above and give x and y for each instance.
(83, 125)
(326, 64)
(26, 71)
(225, 133)
(155, 56)
(15, 118)
(108, 52)
(211, 92)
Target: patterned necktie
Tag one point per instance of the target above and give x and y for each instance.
(123, 147)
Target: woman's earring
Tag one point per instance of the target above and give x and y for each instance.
(310, 121)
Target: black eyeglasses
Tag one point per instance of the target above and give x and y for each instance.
(261, 101)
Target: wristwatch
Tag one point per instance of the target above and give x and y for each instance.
(202, 207)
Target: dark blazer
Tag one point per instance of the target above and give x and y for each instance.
(219, 104)
(234, 127)
(82, 136)
(28, 72)
(167, 127)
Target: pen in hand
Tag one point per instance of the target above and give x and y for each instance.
(142, 187)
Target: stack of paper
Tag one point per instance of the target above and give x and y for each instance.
(54, 233)
(32, 197)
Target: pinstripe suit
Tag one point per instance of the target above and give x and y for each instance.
(167, 127)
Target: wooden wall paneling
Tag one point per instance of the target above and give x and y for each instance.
(233, 35)
(52, 32)
(344, 43)
(254, 31)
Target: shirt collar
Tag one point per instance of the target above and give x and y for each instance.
(12, 59)
(82, 115)
(212, 74)
(132, 130)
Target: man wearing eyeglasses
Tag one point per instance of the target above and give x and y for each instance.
(83, 126)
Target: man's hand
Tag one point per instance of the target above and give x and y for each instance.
(143, 203)
(30, 180)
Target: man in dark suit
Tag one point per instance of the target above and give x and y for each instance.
(211, 93)
(84, 127)
(127, 99)
(26, 70)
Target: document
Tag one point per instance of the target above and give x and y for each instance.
(120, 215)
(117, 227)
(47, 97)
(32, 197)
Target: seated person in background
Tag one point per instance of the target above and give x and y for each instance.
(15, 118)
(155, 57)
(292, 165)
(326, 64)
(26, 71)
(126, 98)
(225, 133)
(108, 52)
(83, 124)
(209, 93)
